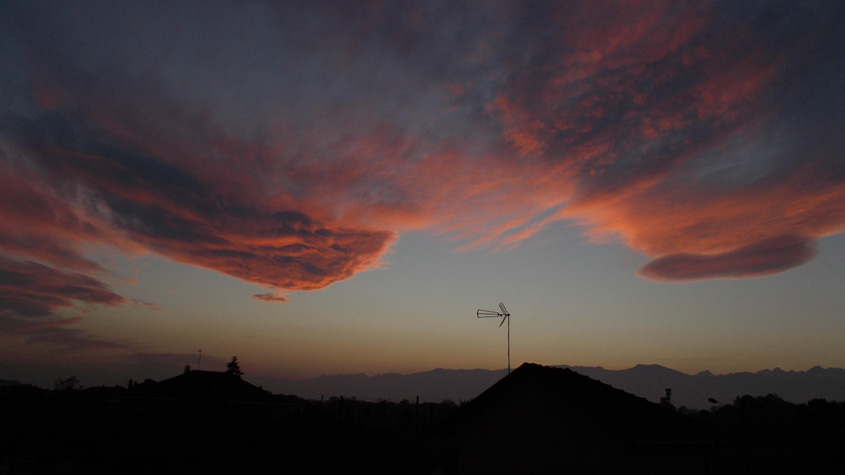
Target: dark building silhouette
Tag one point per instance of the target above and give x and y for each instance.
(541, 419)
(204, 386)
(210, 398)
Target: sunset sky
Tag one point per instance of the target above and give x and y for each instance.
(336, 187)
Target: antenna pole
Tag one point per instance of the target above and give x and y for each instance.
(507, 316)
(199, 361)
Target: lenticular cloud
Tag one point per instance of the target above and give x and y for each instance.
(771, 256)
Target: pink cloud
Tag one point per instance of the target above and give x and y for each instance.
(275, 296)
(33, 290)
(56, 323)
(689, 224)
(643, 116)
(146, 305)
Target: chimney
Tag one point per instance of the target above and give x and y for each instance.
(666, 400)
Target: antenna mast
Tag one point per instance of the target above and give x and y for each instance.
(505, 316)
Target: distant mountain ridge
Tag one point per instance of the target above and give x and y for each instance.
(648, 381)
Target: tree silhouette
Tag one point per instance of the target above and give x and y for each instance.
(67, 384)
(233, 367)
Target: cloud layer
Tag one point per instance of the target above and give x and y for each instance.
(290, 145)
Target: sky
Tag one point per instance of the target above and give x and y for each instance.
(337, 187)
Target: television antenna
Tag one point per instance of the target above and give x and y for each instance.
(505, 316)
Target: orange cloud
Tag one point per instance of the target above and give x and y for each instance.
(659, 116)
(144, 201)
(275, 296)
(689, 224)
(32, 290)
(57, 323)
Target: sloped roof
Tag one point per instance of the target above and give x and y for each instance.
(631, 414)
(206, 385)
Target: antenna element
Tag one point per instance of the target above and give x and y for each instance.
(505, 316)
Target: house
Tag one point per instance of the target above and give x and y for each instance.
(212, 397)
(211, 386)
(541, 419)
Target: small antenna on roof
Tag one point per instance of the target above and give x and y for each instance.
(199, 361)
(505, 316)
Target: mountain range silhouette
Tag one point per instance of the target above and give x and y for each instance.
(647, 381)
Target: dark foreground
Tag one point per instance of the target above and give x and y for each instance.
(113, 430)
